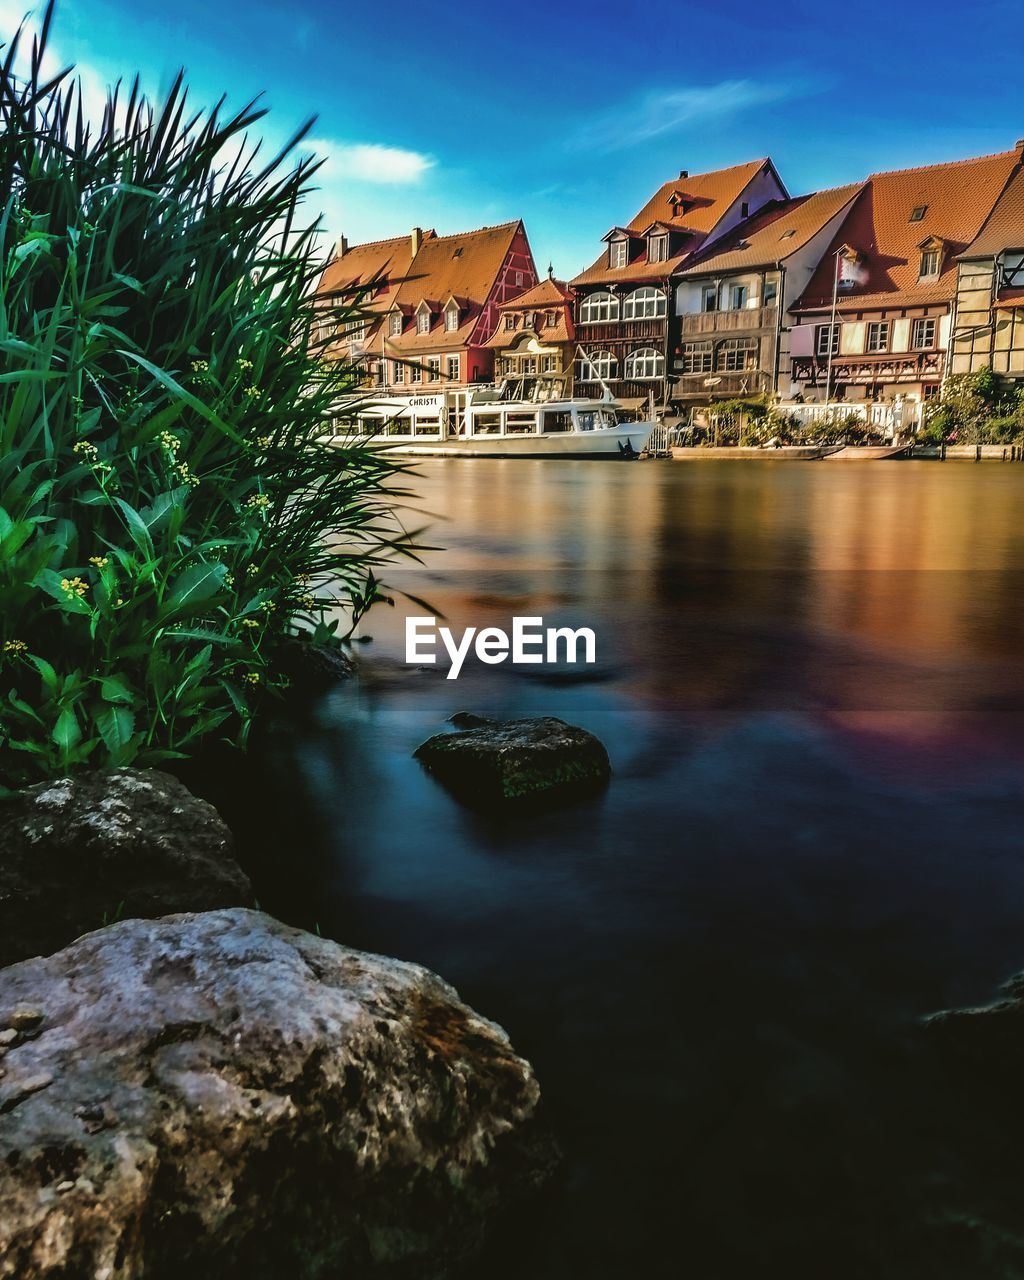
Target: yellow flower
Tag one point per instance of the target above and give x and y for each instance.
(258, 502)
(250, 622)
(268, 605)
(100, 562)
(264, 442)
(74, 587)
(307, 601)
(200, 366)
(253, 393)
(245, 364)
(120, 600)
(85, 447)
(251, 677)
(252, 570)
(229, 579)
(170, 441)
(15, 646)
(187, 474)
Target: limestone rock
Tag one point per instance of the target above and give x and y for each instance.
(516, 760)
(220, 1095)
(94, 847)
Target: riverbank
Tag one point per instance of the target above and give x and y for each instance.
(814, 453)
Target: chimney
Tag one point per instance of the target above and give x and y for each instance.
(1019, 147)
(416, 240)
(341, 248)
(684, 173)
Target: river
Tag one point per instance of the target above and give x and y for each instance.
(810, 683)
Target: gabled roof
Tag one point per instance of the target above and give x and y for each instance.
(1004, 228)
(774, 233)
(957, 198)
(464, 266)
(706, 199)
(549, 293)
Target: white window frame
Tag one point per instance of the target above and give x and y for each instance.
(878, 336)
(451, 319)
(395, 324)
(433, 368)
(453, 368)
(931, 264)
(822, 346)
(645, 304)
(415, 373)
(618, 253)
(599, 308)
(738, 295)
(645, 364)
(423, 322)
(709, 294)
(548, 364)
(398, 373)
(657, 247)
(923, 324)
(604, 362)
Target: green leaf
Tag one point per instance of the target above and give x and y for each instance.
(116, 726)
(138, 528)
(198, 584)
(66, 732)
(193, 402)
(115, 689)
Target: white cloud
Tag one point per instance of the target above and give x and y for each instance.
(371, 162)
(663, 110)
(93, 84)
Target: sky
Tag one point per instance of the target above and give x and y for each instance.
(568, 115)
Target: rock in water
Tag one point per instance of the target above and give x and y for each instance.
(85, 850)
(220, 1096)
(516, 760)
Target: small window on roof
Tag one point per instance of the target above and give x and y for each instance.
(458, 252)
(918, 212)
(787, 235)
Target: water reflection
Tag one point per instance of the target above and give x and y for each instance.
(810, 685)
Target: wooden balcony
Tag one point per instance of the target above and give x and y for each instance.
(591, 336)
(719, 386)
(720, 323)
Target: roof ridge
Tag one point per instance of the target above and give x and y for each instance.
(373, 244)
(943, 164)
(710, 173)
(477, 231)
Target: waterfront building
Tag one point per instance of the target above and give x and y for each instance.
(425, 305)
(624, 300)
(536, 335)
(873, 324)
(728, 332)
(988, 317)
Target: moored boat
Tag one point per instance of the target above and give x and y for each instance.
(496, 422)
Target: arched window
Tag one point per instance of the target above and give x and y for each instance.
(698, 357)
(736, 354)
(595, 365)
(598, 307)
(648, 362)
(644, 304)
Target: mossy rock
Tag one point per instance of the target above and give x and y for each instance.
(516, 761)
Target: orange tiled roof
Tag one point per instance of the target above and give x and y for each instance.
(707, 197)
(549, 293)
(1004, 228)
(774, 233)
(1010, 298)
(956, 199)
(463, 266)
(563, 330)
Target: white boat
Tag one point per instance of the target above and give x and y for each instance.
(503, 421)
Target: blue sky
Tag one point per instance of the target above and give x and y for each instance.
(569, 115)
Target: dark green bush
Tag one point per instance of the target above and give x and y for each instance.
(170, 511)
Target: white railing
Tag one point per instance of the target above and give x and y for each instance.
(890, 419)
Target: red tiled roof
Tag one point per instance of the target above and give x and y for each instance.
(549, 293)
(464, 266)
(956, 199)
(1010, 298)
(707, 197)
(1004, 228)
(774, 233)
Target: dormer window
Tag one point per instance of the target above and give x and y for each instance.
(451, 317)
(423, 322)
(551, 319)
(930, 259)
(395, 324)
(510, 320)
(657, 248)
(918, 212)
(617, 253)
(530, 320)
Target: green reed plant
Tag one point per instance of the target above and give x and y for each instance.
(171, 512)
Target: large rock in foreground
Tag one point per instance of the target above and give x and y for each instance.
(516, 760)
(220, 1095)
(85, 850)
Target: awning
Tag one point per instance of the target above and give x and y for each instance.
(632, 402)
